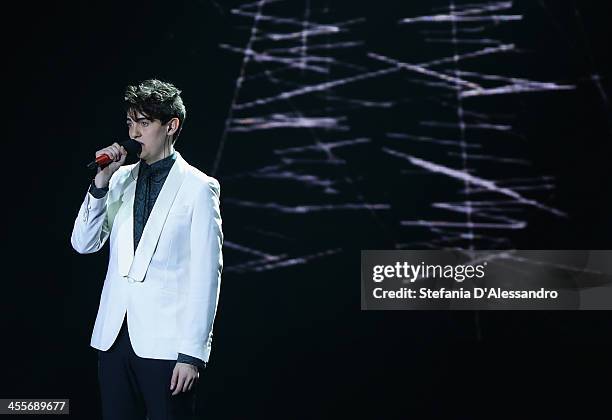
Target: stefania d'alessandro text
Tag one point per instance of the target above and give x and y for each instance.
(475, 293)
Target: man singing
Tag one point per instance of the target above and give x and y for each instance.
(154, 324)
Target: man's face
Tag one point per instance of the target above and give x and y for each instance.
(151, 134)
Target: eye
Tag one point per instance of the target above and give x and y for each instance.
(144, 123)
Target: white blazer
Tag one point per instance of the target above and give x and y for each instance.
(170, 286)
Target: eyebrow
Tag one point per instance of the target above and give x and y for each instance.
(138, 119)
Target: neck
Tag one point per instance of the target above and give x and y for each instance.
(164, 154)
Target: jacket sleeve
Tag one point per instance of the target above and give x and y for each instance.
(91, 228)
(201, 293)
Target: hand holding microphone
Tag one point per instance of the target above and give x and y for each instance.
(110, 158)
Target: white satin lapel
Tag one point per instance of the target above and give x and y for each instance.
(125, 218)
(157, 219)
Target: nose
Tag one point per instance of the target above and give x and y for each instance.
(133, 131)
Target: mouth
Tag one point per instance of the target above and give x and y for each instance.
(141, 146)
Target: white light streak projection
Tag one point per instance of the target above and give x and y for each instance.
(299, 131)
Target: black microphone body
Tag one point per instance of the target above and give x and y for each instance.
(131, 146)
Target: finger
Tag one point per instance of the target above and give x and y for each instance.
(174, 378)
(184, 383)
(105, 152)
(108, 151)
(102, 152)
(179, 385)
(190, 385)
(187, 385)
(112, 151)
(116, 153)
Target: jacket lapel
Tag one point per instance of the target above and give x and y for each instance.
(124, 222)
(155, 223)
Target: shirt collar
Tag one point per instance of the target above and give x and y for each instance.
(159, 166)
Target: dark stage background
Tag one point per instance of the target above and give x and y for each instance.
(290, 338)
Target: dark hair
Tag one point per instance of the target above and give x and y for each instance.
(156, 100)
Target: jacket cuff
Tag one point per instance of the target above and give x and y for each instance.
(183, 358)
(97, 192)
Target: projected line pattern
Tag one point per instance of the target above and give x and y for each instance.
(294, 106)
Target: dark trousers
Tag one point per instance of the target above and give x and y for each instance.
(134, 388)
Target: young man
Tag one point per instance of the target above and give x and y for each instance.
(154, 324)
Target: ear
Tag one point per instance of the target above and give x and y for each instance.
(173, 125)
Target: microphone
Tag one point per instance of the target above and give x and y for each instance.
(102, 161)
